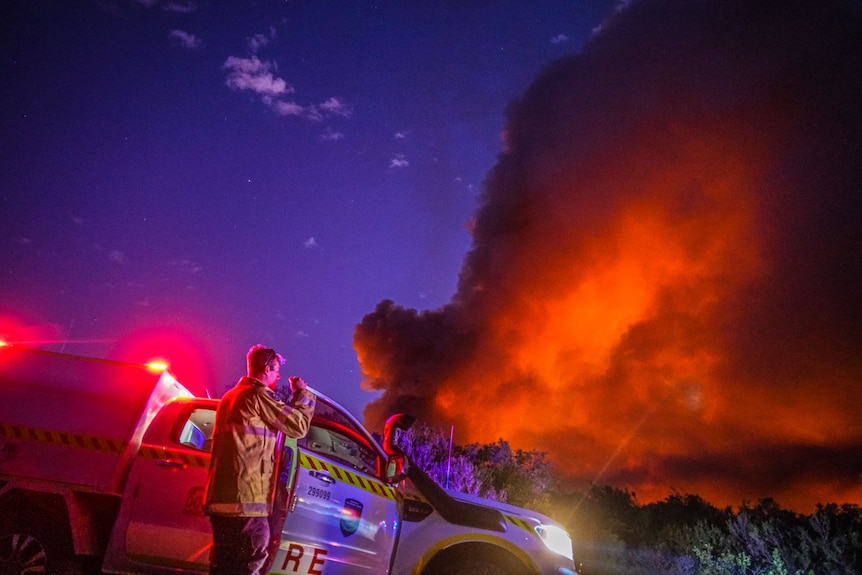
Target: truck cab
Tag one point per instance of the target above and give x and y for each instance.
(335, 511)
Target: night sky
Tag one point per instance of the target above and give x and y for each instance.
(213, 175)
(624, 234)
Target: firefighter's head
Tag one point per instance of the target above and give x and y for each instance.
(264, 364)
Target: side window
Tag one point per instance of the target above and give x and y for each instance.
(328, 440)
(197, 431)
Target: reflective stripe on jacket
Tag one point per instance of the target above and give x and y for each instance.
(248, 420)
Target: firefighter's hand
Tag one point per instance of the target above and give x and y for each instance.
(297, 383)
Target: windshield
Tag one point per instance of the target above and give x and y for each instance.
(337, 435)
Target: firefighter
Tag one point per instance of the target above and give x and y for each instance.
(240, 481)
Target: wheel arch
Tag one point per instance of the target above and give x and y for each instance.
(15, 501)
(18, 505)
(79, 520)
(35, 533)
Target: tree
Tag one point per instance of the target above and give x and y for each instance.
(490, 470)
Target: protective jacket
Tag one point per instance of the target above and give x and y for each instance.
(248, 420)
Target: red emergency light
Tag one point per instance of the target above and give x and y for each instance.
(157, 365)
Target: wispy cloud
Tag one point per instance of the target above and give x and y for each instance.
(255, 75)
(398, 161)
(175, 6)
(335, 107)
(330, 135)
(185, 39)
(180, 6)
(258, 41)
(310, 243)
(332, 107)
(283, 108)
(329, 108)
(559, 39)
(260, 76)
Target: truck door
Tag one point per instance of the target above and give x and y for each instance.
(342, 517)
(161, 526)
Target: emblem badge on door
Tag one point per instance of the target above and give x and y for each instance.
(350, 516)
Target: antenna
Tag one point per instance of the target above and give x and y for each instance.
(449, 461)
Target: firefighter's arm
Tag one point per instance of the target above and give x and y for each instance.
(292, 419)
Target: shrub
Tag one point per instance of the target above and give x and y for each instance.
(681, 535)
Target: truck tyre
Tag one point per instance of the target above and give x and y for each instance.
(20, 553)
(471, 567)
(30, 547)
(474, 560)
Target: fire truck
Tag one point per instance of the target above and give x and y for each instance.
(103, 466)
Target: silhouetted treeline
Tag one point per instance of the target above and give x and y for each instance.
(685, 535)
(681, 535)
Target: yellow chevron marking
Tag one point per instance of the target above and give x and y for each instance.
(79, 440)
(96, 443)
(518, 522)
(346, 476)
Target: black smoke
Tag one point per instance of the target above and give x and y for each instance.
(664, 283)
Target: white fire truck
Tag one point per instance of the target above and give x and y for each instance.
(103, 466)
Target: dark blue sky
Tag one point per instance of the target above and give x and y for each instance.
(234, 173)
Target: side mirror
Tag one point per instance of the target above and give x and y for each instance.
(396, 469)
(395, 426)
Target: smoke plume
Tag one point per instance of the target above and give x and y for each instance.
(663, 291)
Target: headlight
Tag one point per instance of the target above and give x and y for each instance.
(556, 539)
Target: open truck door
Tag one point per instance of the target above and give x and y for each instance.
(342, 516)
